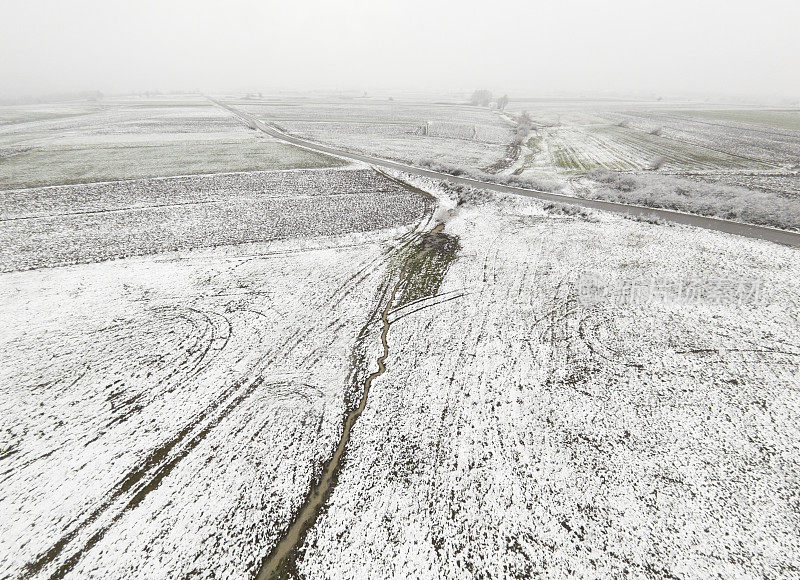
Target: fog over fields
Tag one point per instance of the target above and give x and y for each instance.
(346, 290)
(684, 46)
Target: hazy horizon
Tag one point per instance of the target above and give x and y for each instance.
(575, 47)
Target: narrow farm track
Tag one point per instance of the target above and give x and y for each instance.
(305, 518)
(725, 226)
(425, 256)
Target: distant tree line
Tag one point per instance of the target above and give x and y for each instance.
(483, 98)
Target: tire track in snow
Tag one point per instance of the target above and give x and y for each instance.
(281, 557)
(294, 536)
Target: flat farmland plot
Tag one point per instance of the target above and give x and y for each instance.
(229, 357)
(86, 223)
(125, 140)
(774, 118)
(756, 145)
(18, 114)
(782, 184)
(583, 148)
(453, 134)
(128, 379)
(366, 110)
(163, 415)
(521, 431)
(73, 164)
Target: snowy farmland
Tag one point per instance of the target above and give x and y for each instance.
(403, 130)
(559, 145)
(227, 356)
(630, 136)
(176, 338)
(71, 224)
(532, 434)
(134, 138)
(170, 418)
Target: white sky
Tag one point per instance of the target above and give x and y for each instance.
(536, 46)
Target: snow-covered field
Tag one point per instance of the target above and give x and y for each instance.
(782, 184)
(134, 138)
(182, 352)
(611, 136)
(520, 432)
(86, 223)
(749, 148)
(749, 154)
(625, 148)
(777, 145)
(402, 130)
(163, 416)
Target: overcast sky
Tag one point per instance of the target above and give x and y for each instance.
(673, 46)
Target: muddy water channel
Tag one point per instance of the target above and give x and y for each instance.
(417, 271)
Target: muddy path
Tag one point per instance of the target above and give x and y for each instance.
(419, 268)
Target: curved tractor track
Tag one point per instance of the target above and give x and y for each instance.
(740, 229)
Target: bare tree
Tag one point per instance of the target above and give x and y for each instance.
(524, 124)
(502, 102)
(481, 98)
